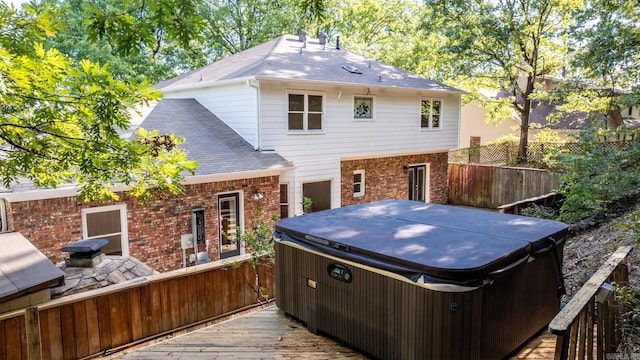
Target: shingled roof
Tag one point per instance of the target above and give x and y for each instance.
(288, 58)
(217, 148)
(24, 269)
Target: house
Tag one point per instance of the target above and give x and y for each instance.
(475, 130)
(355, 129)
(289, 121)
(159, 232)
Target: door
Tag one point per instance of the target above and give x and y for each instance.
(417, 182)
(319, 193)
(229, 220)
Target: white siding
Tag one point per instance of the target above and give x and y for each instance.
(235, 104)
(394, 130)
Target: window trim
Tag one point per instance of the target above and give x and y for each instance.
(362, 183)
(372, 98)
(306, 112)
(430, 121)
(124, 232)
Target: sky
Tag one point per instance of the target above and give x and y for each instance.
(15, 3)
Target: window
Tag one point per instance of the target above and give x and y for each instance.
(363, 107)
(107, 222)
(284, 201)
(358, 183)
(430, 114)
(305, 112)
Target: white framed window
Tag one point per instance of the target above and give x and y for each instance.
(107, 222)
(305, 111)
(430, 113)
(363, 107)
(358, 183)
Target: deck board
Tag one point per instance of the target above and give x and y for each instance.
(270, 334)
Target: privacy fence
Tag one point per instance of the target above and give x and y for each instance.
(103, 321)
(507, 153)
(490, 186)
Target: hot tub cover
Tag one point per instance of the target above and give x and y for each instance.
(437, 242)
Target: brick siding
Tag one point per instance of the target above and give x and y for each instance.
(386, 178)
(154, 228)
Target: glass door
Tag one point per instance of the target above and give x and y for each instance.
(229, 220)
(417, 181)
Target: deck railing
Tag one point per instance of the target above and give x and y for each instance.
(106, 320)
(588, 327)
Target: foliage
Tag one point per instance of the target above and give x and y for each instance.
(498, 42)
(61, 123)
(594, 174)
(135, 26)
(608, 43)
(504, 139)
(543, 212)
(233, 26)
(258, 241)
(632, 224)
(307, 203)
(157, 61)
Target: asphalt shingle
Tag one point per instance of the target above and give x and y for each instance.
(286, 57)
(217, 148)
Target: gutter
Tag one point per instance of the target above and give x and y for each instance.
(202, 84)
(71, 190)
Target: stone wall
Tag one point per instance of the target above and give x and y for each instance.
(386, 178)
(154, 228)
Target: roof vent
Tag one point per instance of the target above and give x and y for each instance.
(302, 35)
(322, 39)
(352, 69)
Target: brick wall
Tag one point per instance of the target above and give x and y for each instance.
(385, 178)
(154, 228)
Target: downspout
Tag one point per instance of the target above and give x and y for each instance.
(256, 84)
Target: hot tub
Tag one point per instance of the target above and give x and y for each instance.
(408, 280)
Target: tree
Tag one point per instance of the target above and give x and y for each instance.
(236, 25)
(166, 59)
(258, 241)
(606, 58)
(61, 123)
(497, 43)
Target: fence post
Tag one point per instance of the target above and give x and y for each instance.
(34, 342)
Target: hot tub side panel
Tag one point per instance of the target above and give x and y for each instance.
(519, 304)
(385, 317)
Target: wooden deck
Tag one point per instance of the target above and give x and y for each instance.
(270, 334)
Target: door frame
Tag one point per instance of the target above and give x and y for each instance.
(237, 196)
(412, 175)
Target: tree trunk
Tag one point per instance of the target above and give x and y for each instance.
(524, 120)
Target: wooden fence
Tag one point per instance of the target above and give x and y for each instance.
(492, 186)
(106, 320)
(587, 328)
